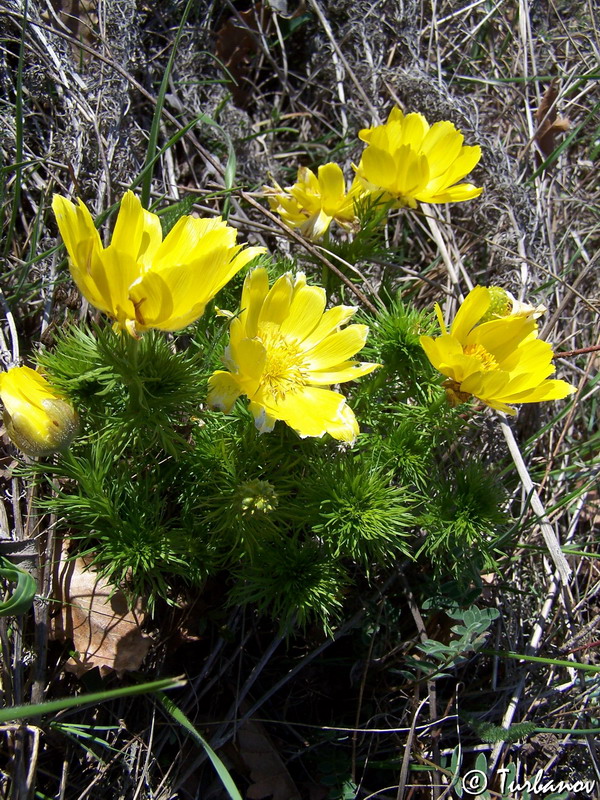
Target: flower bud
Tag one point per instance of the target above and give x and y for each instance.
(257, 497)
(37, 419)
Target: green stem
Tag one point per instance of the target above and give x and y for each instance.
(132, 377)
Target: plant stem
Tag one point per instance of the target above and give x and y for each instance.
(552, 543)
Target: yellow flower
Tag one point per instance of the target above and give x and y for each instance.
(284, 348)
(141, 280)
(408, 160)
(313, 202)
(499, 362)
(37, 419)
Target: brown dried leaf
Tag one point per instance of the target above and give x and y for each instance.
(105, 633)
(268, 773)
(238, 42)
(548, 122)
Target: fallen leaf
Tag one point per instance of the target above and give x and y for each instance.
(268, 773)
(549, 124)
(238, 41)
(105, 632)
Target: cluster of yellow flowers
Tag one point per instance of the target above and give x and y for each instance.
(405, 161)
(286, 350)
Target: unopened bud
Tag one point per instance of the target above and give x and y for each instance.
(257, 497)
(37, 419)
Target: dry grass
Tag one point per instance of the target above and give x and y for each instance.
(90, 75)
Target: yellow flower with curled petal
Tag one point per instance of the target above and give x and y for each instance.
(407, 160)
(314, 201)
(142, 280)
(37, 419)
(284, 350)
(500, 362)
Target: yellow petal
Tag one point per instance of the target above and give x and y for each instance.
(467, 159)
(331, 320)
(441, 350)
(309, 411)
(220, 272)
(254, 292)
(77, 229)
(347, 371)
(500, 406)
(21, 385)
(223, 391)
(307, 181)
(237, 332)
(332, 186)
(532, 355)
(346, 212)
(412, 173)
(395, 115)
(191, 238)
(316, 225)
(37, 419)
(299, 283)
(442, 146)
(152, 299)
(377, 167)
(472, 309)
(345, 428)
(486, 384)
(337, 347)
(137, 232)
(277, 302)
(526, 380)
(249, 355)
(502, 336)
(83, 245)
(459, 367)
(263, 420)
(414, 130)
(454, 194)
(305, 312)
(440, 317)
(191, 285)
(548, 390)
(113, 273)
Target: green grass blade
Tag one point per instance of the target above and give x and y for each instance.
(221, 769)
(147, 169)
(16, 202)
(21, 598)
(52, 706)
(160, 101)
(554, 662)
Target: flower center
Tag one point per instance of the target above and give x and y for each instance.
(283, 370)
(500, 305)
(487, 360)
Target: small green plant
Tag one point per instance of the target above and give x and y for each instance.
(463, 520)
(352, 506)
(295, 582)
(471, 632)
